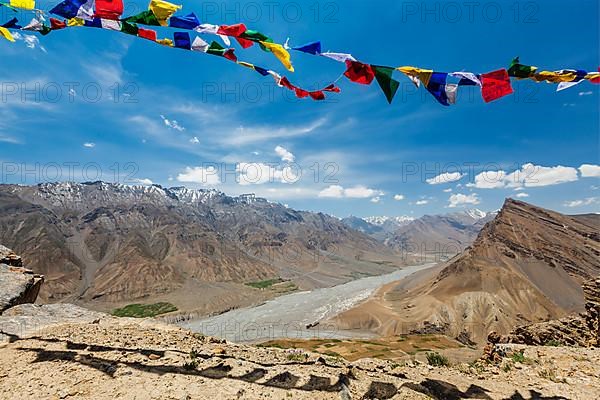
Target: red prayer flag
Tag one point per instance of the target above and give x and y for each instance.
(494, 85)
(56, 24)
(245, 43)
(232, 30)
(109, 9)
(596, 80)
(359, 72)
(317, 95)
(301, 93)
(332, 88)
(286, 83)
(230, 55)
(147, 34)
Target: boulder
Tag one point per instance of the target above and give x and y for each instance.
(18, 285)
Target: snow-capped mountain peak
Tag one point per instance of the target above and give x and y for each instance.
(381, 220)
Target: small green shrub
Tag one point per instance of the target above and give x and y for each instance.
(437, 360)
(192, 365)
(553, 343)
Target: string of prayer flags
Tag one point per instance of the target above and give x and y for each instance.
(107, 14)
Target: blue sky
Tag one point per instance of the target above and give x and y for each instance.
(118, 121)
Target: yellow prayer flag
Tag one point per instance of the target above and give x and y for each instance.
(24, 4)
(592, 75)
(6, 34)
(163, 10)
(245, 64)
(75, 22)
(165, 42)
(424, 75)
(281, 54)
(554, 76)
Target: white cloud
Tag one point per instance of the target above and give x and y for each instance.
(259, 173)
(335, 191)
(446, 177)
(489, 180)
(586, 93)
(529, 175)
(144, 181)
(521, 195)
(89, 145)
(204, 176)
(447, 190)
(399, 197)
(422, 202)
(536, 175)
(376, 199)
(286, 156)
(356, 192)
(30, 41)
(194, 140)
(584, 202)
(8, 139)
(361, 192)
(590, 171)
(171, 123)
(460, 199)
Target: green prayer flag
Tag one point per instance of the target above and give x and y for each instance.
(130, 29)
(45, 30)
(256, 36)
(384, 78)
(216, 49)
(518, 70)
(145, 18)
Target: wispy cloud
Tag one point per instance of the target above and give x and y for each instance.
(245, 135)
(173, 124)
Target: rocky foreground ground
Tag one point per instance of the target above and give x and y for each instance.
(103, 357)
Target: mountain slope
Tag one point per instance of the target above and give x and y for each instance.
(447, 234)
(527, 265)
(109, 243)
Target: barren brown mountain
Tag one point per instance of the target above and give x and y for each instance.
(527, 265)
(104, 244)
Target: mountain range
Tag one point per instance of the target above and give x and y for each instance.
(526, 265)
(106, 244)
(443, 235)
